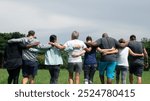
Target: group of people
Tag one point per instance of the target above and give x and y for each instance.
(22, 53)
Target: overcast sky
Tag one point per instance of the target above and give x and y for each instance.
(119, 18)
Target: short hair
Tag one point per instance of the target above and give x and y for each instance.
(52, 38)
(31, 33)
(132, 37)
(104, 35)
(75, 35)
(88, 38)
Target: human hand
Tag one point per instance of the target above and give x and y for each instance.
(77, 46)
(146, 65)
(36, 43)
(75, 55)
(51, 43)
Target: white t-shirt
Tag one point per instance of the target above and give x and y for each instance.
(123, 57)
(72, 43)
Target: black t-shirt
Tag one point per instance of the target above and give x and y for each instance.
(108, 43)
(13, 55)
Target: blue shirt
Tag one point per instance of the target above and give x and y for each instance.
(52, 55)
(90, 57)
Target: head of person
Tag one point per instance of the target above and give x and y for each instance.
(104, 35)
(31, 33)
(132, 37)
(88, 39)
(122, 40)
(75, 35)
(53, 38)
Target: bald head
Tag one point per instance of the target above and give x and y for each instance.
(105, 35)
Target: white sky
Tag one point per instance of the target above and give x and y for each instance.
(119, 18)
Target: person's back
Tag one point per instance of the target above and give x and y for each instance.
(136, 47)
(28, 54)
(122, 57)
(108, 43)
(53, 56)
(76, 50)
(90, 57)
(13, 50)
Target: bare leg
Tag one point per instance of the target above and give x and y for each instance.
(31, 79)
(25, 80)
(70, 80)
(77, 78)
(139, 80)
(109, 81)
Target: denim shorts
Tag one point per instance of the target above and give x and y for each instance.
(29, 68)
(109, 67)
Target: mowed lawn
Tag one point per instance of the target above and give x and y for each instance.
(43, 77)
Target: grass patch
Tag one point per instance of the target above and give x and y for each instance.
(43, 77)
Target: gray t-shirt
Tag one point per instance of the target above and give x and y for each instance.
(136, 47)
(108, 43)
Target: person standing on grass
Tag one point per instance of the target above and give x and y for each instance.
(13, 59)
(122, 59)
(136, 64)
(90, 62)
(74, 63)
(108, 62)
(53, 59)
(30, 62)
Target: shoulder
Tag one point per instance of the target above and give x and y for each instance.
(80, 41)
(67, 42)
(127, 48)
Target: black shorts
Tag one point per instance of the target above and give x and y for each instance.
(136, 69)
(29, 68)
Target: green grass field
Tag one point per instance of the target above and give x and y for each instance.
(43, 77)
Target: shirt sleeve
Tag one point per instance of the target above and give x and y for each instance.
(34, 50)
(66, 44)
(98, 42)
(15, 40)
(44, 46)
